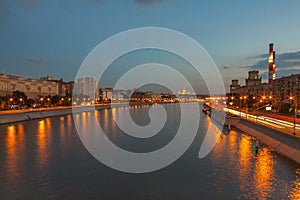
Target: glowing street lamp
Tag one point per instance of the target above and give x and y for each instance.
(295, 112)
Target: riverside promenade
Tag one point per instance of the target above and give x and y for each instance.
(282, 143)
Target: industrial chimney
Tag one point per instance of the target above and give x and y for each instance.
(272, 72)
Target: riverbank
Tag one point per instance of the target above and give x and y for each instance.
(12, 116)
(38, 114)
(285, 145)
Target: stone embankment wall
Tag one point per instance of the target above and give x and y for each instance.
(10, 118)
(284, 148)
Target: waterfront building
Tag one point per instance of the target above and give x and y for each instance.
(234, 85)
(86, 86)
(284, 90)
(33, 88)
(281, 90)
(106, 94)
(64, 88)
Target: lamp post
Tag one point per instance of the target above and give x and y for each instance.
(11, 102)
(292, 98)
(41, 101)
(21, 101)
(241, 98)
(246, 105)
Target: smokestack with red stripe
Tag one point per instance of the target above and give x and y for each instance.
(272, 66)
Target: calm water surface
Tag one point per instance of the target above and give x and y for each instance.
(45, 159)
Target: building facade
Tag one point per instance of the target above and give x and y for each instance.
(87, 86)
(280, 90)
(33, 88)
(64, 88)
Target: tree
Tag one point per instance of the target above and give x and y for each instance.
(19, 97)
(30, 102)
(55, 100)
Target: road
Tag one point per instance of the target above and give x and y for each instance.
(283, 124)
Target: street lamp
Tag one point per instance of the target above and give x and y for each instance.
(246, 105)
(295, 112)
(241, 98)
(11, 101)
(41, 101)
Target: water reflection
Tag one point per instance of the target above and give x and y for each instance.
(62, 129)
(43, 140)
(113, 124)
(45, 159)
(15, 143)
(263, 176)
(106, 120)
(295, 192)
(245, 156)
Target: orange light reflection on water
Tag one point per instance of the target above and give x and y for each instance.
(43, 140)
(15, 143)
(263, 176)
(11, 141)
(295, 192)
(105, 120)
(245, 155)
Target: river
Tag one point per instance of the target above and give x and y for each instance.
(45, 159)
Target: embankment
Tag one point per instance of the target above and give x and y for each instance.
(285, 145)
(36, 114)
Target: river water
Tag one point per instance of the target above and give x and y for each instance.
(45, 159)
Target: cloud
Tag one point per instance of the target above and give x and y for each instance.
(36, 60)
(259, 56)
(284, 61)
(147, 2)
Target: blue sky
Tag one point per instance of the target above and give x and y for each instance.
(40, 37)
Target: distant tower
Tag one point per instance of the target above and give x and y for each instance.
(272, 72)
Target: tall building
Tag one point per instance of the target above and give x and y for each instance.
(272, 66)
(87, 86)
(234, 85)
(253, 79)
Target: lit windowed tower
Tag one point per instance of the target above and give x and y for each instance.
(272, 66)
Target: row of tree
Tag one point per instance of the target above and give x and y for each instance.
(250, 102)
(18, 100)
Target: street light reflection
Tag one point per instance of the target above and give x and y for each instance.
(43, 140)
(245, 162)
(264, 170)
(295, 193)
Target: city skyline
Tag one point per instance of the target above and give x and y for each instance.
(52, 38)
